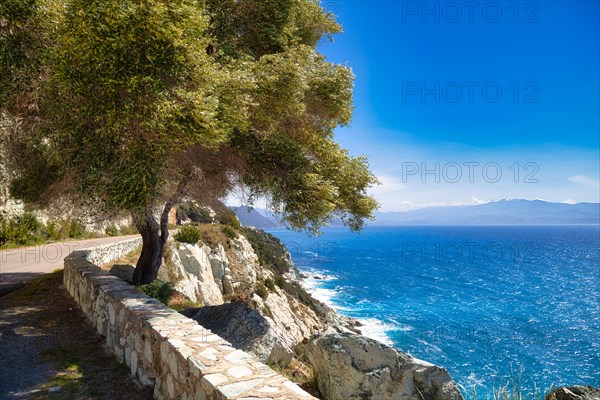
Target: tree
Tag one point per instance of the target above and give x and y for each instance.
(134, 104)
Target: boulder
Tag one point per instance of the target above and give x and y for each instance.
(574, 393)
(354, 367)
(123, 271)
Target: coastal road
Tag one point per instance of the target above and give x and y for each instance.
(22, 265)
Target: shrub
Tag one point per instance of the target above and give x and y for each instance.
(229, 218)
(262, 291)
(76, 229)
(270, 284)
(267, 311)
(228, 231)
(270, 251)
(158, 289)
(193, 212)
(21, 230)
(128, 230)
(188, 234)
(111, 230)
(52, 231)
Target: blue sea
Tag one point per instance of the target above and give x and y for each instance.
(480, 301)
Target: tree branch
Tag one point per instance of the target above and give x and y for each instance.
(164, 217)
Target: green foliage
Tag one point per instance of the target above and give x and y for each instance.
(158, 289)
(122, 100)
(262, 291)
(26, 229)
(269, 249)
(128, 230)
(21, 230)
(193, 212)
(76, 229)
(111, 230)
(267, 311)
(228, 231)
(53, 231)
(188, 234)
(229, 218)
(270, 284)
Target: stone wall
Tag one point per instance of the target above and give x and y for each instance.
(180, 358)
(103, 254)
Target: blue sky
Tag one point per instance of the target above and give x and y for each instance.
(471, 101)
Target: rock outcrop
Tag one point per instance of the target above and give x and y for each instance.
(273, 318)
(574, 393)
(189, 268)
(353, 367)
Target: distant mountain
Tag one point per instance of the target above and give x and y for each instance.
(502, 212)
(249, 216)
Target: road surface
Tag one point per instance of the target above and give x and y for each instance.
(20, 266)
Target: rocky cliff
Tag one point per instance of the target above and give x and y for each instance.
(248, 292)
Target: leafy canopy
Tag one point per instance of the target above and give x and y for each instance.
(124, 100)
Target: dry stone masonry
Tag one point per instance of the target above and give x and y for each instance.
(180, 358)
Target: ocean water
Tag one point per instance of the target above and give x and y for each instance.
(479, 301)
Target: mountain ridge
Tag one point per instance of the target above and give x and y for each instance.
(501, 212)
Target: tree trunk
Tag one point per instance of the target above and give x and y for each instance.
(150, 260)
(154, 237)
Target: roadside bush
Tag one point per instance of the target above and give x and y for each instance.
(158, 289)
(188, 234)
(128, 230)
(53, 231)
(76, 229)
(111, 230)
(21, 230)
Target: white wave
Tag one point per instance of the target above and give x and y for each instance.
(371, 327)
(376, 329)
(429, 345)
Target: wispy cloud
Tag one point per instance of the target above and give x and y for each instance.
(388, 184)
(584, 180)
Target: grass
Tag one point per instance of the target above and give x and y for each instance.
(513, 390)
(82, 369)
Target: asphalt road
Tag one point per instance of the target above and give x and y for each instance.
(22, 265)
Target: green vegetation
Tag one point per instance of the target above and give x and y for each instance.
(228, 218)
(160, 290)
(270, 284)
(262, 291)
(193, 212)
(27, 230)
(228, 231)
(130, 105)
(272, 254)
(513, 390)
(270, 251)
(188, 234)
(111, 230)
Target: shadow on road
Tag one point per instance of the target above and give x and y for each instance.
(11, 281)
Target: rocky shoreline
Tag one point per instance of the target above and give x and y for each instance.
(251, 295)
